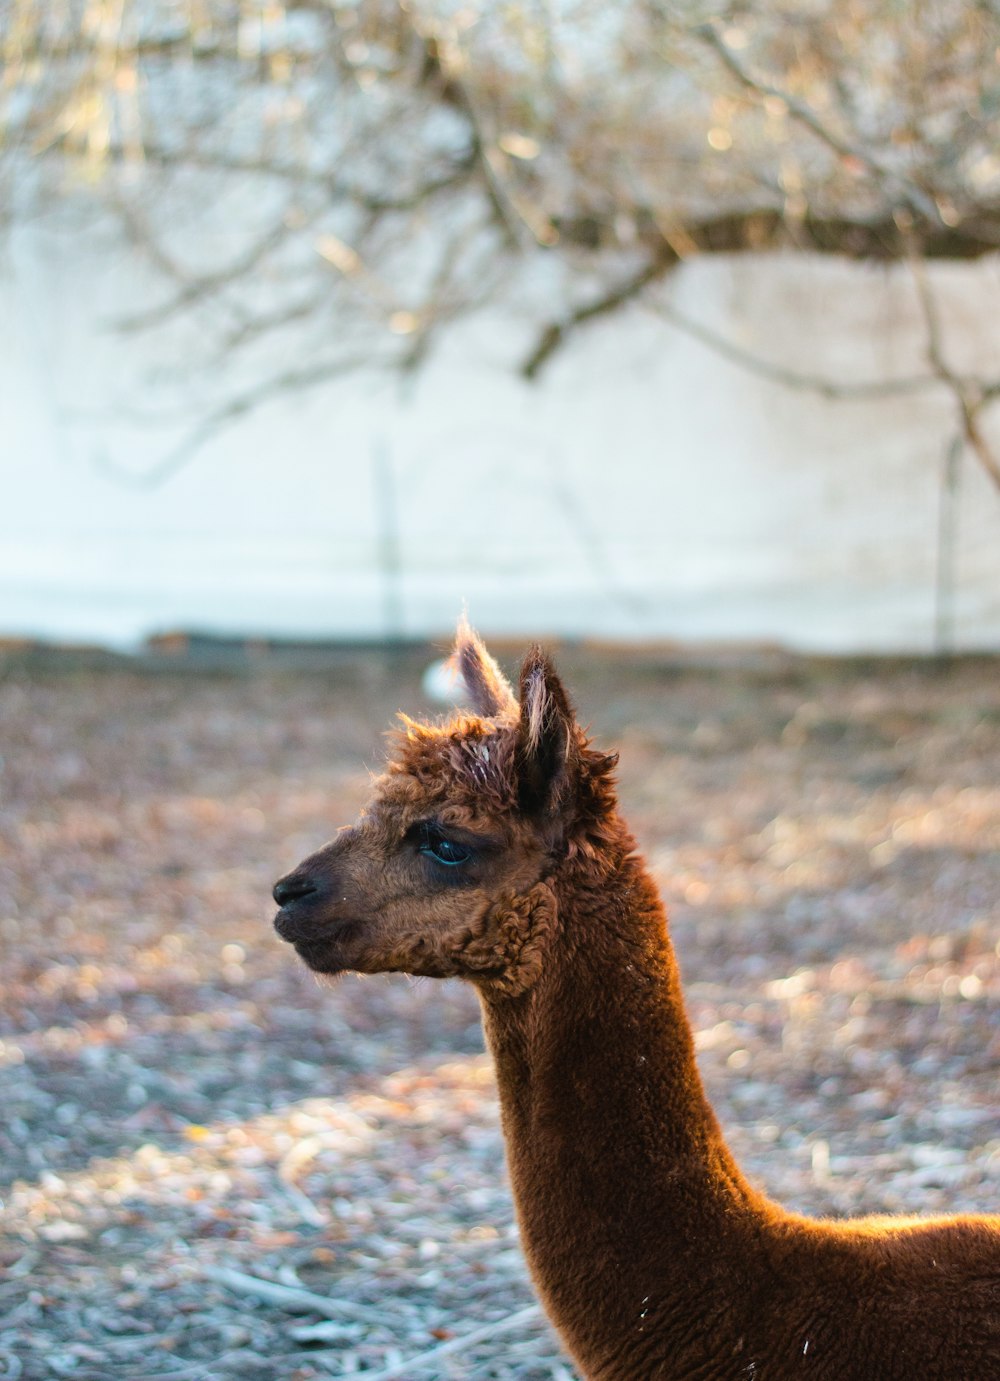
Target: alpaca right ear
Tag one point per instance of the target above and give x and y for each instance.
(546, 736)
(490, 692)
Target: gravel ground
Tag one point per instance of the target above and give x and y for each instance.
(214, 1167)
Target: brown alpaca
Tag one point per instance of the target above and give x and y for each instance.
(493, 850)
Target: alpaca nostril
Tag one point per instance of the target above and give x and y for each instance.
(292, 888)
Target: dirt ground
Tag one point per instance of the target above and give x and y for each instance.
(213, 1167)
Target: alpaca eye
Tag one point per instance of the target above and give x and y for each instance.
(438, 846)
(446, 851)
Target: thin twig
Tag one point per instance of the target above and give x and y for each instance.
(240, 405)
(194, 1371)
(532, 1314)
(792, 378)
(196, 289)
(294, 1300)
(301, 1300)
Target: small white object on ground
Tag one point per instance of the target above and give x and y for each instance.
(442, 683)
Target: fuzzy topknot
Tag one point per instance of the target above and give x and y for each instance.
(466, 759)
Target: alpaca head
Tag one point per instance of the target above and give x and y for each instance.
(449, 870)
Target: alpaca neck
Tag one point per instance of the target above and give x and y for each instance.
(619, 1170)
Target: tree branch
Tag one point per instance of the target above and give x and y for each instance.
(300, 173)
(457, 94)
(970, 395)
(554, 335)
(907, 191)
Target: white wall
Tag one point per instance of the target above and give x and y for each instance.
(645, 488)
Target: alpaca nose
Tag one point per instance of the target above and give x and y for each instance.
(292, 887)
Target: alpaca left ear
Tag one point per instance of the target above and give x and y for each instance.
(546, 736)
(489, 690)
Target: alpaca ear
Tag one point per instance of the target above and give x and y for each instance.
(546, 736)
(490, 692)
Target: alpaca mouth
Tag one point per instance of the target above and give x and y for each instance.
(320, 956)
(293, 924)
(319, 946)
(287, 926)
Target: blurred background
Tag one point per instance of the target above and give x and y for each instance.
(638, 320)
(665, 333)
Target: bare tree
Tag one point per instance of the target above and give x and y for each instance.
(391, 166)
